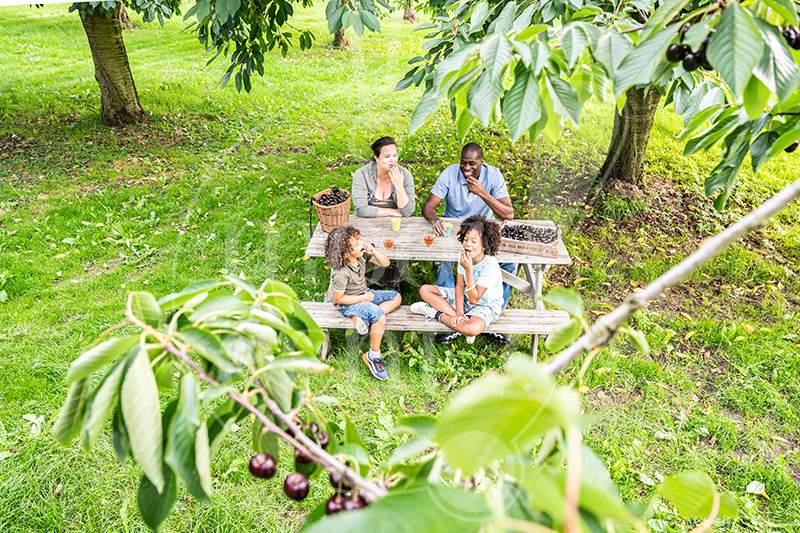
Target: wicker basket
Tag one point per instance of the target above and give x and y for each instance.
(332, 216)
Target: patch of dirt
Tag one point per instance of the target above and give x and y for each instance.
(344, 161)
(282, 149)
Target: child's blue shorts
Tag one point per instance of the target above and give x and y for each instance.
(369, 311)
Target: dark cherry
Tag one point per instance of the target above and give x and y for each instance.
(313, 427)
(262, 465)
(691, 62)
(334, 504)
(351, 504)
(301, 457)
(790, 36)
(296, 486)
(676, 52)
(340, 485)
(795, 43)
(792, 147)
(323, 438)
(703, 45)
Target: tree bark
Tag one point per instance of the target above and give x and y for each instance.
(125, 18)
(625, 159)
(409, 13)
(340, 39)
(118, 96)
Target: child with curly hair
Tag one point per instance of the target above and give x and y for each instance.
(347, 256)
(477, 298)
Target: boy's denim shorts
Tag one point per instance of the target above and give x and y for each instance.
(484, 312)
(369, 311)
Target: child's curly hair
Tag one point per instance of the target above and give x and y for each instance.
(337, 245)
(488, 230)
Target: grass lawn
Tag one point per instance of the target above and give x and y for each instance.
(218, 182)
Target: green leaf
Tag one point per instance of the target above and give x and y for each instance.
(540, 53)
(299, 338)
(565, 98)
(504, 21)
(451, 65)
(68, 423)
(427, 105)
(641, 62)
(422, 425)
(261, 332)
(210, 348)
(177, 299)
(280, 388)
(98, 356)
(777, 68)
(710, 136)
(119, 436)
(409, 449)
(482, 96)
(357, 452)
(566, 299)
(146, 309)
(100, 405)
(496, 53)
(611, 50)
(736, 47)
(479, 15)
(639, 340)
(351, 435)
(465, 122)
(142, 413)
(499, 416)
(524, 19)
(563, 335)
(573, 41)
(786, 9)
(761, 148)
(307, 364)
(181, 439)
(581, 81)
(698, 120)
(216, 305)
(783, 142)
(755, 97)
(600, 82)
(522, 104)
(693, 495)
(219, 423)
(154, 503)
(425, 509)
(358, 24)
(202, 453)
(662, 16)
(696, 34)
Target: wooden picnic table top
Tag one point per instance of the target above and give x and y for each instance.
(408, 243)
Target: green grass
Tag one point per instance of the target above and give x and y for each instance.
(88, 213)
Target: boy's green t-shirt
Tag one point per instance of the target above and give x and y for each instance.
(351, 279)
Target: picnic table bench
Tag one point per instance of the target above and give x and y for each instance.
(408, 245)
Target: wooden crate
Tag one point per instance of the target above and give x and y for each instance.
(529, 248)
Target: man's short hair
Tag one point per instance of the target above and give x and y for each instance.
(474, 148)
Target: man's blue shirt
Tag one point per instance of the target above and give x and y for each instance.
(460, 203)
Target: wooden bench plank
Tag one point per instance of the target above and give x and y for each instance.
(511, 321)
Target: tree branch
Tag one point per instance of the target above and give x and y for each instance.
(606, 327)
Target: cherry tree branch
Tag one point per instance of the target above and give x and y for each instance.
(607, 326)
(300, 441)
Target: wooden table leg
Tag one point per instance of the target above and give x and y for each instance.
(326, 344)
(534, 346)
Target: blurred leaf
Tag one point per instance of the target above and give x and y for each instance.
(210, 348)
(100, 405)
(426, 509)
(563, 335)
(142, 412)
(177, 299)
(155, 505)
(409, 449)
(146, 309)
(68, 423)
(497, 416)
(736, 47)
(307, 364)
(693, 495)
(180, 452)
(98, 356)
(422, 425)
(566, 299)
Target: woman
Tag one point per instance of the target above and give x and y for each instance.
(382, 188)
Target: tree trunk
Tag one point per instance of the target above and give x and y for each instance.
(118, 96)
(125, 18)
(340, 39)
(625, 159)
(409, 14)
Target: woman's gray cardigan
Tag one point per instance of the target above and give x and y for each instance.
(365, 181)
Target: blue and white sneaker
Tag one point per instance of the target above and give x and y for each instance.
(422, 308)
(376, 367)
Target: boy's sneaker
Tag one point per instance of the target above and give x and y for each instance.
(361, 326)
(421, 308)
(447, 338)
(376, 367)
(499, 337)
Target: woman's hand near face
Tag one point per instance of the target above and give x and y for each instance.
(396, 176)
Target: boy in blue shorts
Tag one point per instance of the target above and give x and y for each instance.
(347, 256)
(477, 298)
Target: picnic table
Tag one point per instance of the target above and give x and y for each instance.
(409, 246)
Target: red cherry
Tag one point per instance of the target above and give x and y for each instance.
(263, 465)
(351, 504)
(296, 486)
(334, 504)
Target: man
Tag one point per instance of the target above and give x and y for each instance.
(470, 188)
